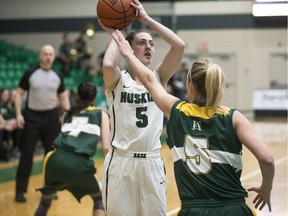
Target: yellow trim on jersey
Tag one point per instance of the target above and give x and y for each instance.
(252, 210)
(220, 157)
(91, 108)
(194, 110)
(48, 155)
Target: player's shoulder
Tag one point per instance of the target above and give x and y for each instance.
(58, 73)
(95, 109)
(92, 108)
(32, 69)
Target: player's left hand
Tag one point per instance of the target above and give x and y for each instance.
(123, 45)
(105, 28)
(262, 198)
(141, 13)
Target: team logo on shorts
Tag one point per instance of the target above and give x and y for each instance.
(139, 155)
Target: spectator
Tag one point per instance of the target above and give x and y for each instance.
(100, 58)
(95, 73)
(10, 137)
(4, 126)
(95, 69)
(65, 53)
(177, 82)
(101, 99)
(40, 120)
(82, 56)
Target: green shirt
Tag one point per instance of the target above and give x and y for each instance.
(80, 132)
(206, 152)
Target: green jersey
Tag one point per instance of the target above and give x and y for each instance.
(206, 152)
(80, 132)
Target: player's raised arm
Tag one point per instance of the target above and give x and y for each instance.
(111, 72)
(163, 100)
(169, 65)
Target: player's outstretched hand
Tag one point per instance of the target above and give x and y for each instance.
(105, 28)
(262, 198)
(123, 45)
(141, 13)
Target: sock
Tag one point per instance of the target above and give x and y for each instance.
(43, 207)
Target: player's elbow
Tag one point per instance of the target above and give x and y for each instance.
(106, 148)
(181, 46)
(149, 80)
(270, 161)
(108, 65)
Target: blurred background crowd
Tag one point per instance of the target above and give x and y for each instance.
(75, 61)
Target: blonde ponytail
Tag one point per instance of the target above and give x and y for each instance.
(209, 81)
(214, 86)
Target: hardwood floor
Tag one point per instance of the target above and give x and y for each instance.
(274, 135)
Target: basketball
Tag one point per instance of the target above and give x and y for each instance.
(117, 14)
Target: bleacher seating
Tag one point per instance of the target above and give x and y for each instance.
(16, 59)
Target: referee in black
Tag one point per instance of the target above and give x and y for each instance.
(46, 96)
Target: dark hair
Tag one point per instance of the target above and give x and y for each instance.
(86, 95)
(132, 34)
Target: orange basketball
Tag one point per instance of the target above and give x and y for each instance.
(117, 14)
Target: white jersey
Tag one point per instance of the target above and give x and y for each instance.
(136, 121)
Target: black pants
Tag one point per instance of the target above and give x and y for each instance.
(3, 152)
(43, 126)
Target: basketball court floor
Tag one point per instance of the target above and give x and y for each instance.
(273, 133)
